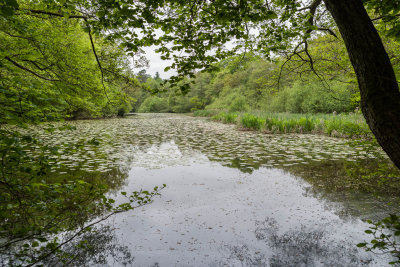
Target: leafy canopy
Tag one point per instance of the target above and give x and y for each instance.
(198, 30)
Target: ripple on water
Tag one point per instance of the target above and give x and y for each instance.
(231, 199)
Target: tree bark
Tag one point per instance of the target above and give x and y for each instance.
(380, 96)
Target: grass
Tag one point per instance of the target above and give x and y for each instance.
(206, 113)
(341, 125)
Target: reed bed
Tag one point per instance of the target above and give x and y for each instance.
(338, 125)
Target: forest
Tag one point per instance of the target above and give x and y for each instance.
(303, 92)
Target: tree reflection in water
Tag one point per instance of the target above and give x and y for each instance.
(96, 247)
(301, 247)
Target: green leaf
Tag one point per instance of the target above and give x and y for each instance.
(42, 239)
(271, 15)
(100, 13)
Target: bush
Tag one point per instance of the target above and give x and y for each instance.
(121, 112)
(231, 99)
(154, 104)
(238, 104)
(179, 104)
(205, 113)
(312, 97)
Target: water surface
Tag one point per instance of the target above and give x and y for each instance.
(233, 198)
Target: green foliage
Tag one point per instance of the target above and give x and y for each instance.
(312, 97)
(238, 104)
(388, 12)
(242, 83)
(337, 125)
(253, 86)
(8, 7)
(230, 100)
(281, 25)
(54, 69)
(205, 113)
(154, 104)
(196, 103)
(37, 205)
(385, 234)
(221, 116)
(349, 126)
(56, 63)
(250, 121)
(48, 71)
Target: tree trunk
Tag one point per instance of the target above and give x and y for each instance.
(380, 96)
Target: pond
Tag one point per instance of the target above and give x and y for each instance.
(233, 197)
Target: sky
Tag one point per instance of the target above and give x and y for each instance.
(156, 64)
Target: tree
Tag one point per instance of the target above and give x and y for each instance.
(380, 96)
(269, 27)
(143, 76)
(48, 71)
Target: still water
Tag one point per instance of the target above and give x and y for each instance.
(233, 198)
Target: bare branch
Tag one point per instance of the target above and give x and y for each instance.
(329, 31)
(313, 9)
(281, 70)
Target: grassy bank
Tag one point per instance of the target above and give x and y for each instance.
(341, 125)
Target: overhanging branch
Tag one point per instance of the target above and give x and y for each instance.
(97, 59)
(329, 31)
(30, 71)
(385, 16)
(33, 11)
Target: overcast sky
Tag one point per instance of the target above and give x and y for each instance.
(156, 64)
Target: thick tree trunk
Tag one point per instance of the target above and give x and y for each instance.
(380, 96)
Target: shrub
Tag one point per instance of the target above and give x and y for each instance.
(239, 104)
(154, 104)
(205, 113)
(121, 112)
(312, 97)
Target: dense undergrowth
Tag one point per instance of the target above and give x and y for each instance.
(341, 125)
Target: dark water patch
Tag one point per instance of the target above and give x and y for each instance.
(99, 247)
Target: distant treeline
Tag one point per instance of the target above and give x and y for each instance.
(249, 82)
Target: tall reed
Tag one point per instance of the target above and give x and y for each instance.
(342, 125)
